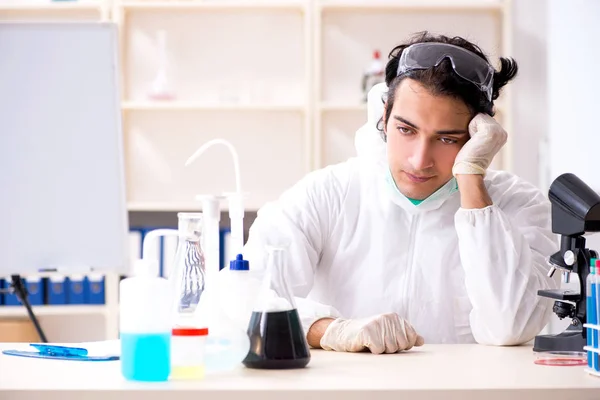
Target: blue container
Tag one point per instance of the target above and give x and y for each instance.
(35, 290)
(57, 290)
(224, 244)
(95, 289)
(1, 294)
(76, 289)
(146, 357)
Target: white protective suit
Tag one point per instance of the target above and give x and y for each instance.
(360, 248)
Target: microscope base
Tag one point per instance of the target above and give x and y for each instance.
(569, 340)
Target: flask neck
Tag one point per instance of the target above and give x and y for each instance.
(277, 280)
(190, 225)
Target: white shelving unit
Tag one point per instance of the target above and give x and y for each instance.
(280, 79)
(259, 99)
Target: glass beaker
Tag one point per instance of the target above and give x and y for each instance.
(189, 269)
(277, 339)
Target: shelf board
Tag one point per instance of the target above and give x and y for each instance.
(164, 206)
(233, 5)
(47, 310)
(361, 107)
(183, 206)
(191, 106)
(412, 5)
(51, 6)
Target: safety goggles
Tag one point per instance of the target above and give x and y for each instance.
(466, 64)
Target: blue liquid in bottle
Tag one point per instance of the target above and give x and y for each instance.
(596, 311)
(590, 333)
(146, 356)
(591, 312)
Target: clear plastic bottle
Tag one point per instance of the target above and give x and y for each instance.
(239, 286)
(373, 75)
(188, 279)
(227, 343)
(277, 340)
(187, 353)
(145, 325)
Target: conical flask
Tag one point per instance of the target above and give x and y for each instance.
(161, 88)
(189, 270)
(277, 340)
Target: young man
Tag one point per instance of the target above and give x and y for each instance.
(414, 240)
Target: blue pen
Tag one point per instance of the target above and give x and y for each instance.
(54, 352)
(61, 351)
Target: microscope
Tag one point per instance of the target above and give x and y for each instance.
(575, 211)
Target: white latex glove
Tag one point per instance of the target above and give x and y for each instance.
(386, 333)
(487, 138)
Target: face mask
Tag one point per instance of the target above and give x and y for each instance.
(430, 203)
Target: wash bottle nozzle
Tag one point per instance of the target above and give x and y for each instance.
(211, 212)
(236, 216)
(236, 203)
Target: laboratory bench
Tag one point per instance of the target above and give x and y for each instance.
(430, 372)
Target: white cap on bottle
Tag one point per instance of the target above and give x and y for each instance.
(145, 301)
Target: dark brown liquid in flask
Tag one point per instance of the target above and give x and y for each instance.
(276, 341)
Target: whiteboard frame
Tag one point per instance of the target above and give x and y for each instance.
(66, 209)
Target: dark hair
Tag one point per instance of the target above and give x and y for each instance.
(441, 79)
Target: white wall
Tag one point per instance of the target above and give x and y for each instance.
(573, 89)
(529, 90)
(555, 98)
(553, 125)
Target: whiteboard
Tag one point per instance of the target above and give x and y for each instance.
(62, 185)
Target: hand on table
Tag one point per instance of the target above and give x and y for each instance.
(386, 333)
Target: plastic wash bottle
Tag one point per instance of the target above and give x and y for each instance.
(145, 320)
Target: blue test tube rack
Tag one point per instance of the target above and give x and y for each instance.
(593, 329)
